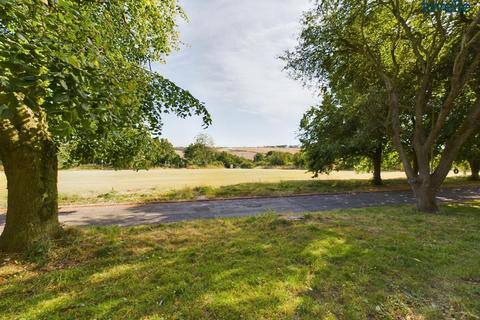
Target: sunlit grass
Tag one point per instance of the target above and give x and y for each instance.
(107, 186)
(282, 188)
(377, 263)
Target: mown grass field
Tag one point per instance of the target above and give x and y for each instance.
(108, 186)
(87, 186)
(377, 263)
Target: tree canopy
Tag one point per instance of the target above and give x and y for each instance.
(426, 63)
(77, 70)
(81, 66)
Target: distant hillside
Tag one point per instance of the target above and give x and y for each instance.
(249, 152)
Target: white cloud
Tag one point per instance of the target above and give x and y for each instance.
(232, 63)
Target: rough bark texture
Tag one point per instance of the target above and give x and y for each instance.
(475, 168)
(415, 164)
(425, 195)
(377, 167)
(30, 163)
(425, 185)
(32, 197)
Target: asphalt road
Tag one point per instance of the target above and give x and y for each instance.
(170, 212)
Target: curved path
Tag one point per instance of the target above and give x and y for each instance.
(134, 214)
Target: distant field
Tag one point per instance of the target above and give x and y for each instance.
(90, 183)
(249, 152)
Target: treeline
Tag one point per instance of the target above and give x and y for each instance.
(133, 150)
(202, 153)
(121, 150)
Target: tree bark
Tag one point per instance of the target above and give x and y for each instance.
(475, 168)
(32, 212)
(377, 167)
(415, 164)
(30, 163)
(425, 196)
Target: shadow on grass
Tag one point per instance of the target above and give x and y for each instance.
(365, 263)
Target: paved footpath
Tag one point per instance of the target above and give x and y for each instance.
(134, 214)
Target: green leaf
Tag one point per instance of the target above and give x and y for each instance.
(74, 61)
(27, 81)
(63, 84)
(5, 112)
(60, 98)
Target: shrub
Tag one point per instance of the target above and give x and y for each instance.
(299, 160)
(259, 157)
(199, 154)
(277, 158)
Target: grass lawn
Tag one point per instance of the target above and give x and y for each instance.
(93, 186)
(376, 263)
(107, 186)
(282, 188)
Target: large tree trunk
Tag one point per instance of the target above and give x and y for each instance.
(32, 212)
(30, 163)
(475, 168)
(425, 196)
(424, 185)
(377, 167)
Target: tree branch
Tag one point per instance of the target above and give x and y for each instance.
(459, 79)
(453, 145)
(396, 129)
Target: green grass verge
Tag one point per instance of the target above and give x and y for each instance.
(377, 263)
(283, 188)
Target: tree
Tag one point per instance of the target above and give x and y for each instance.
(164, 154)
(299, 160)
(475, 169)
(471, 153)
(204, 139)
(128, 149)
(201, 152)
(426, 62)
(258, 157)
(229, 159)
(278, 158)
(76, 70)
(333, 133)
(351, 124)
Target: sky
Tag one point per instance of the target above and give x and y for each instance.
(229, 61)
